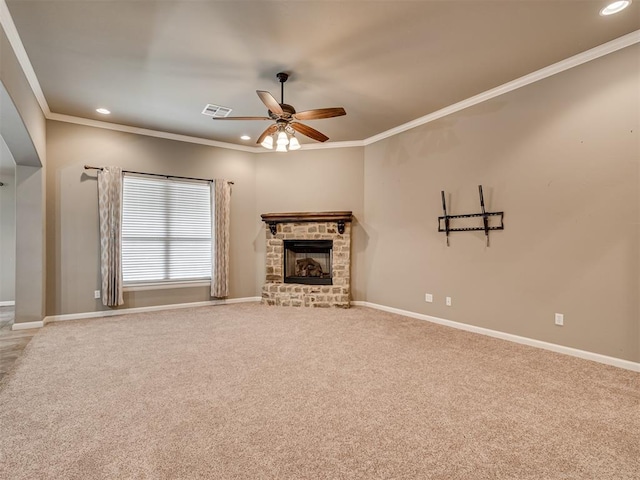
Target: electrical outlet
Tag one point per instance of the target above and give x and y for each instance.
(96, 294)
(428, 297)
(559, 319)
(448, 301)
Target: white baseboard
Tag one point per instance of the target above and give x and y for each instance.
(155, 308)
(574, 352)
(7, 303)
(27, 325)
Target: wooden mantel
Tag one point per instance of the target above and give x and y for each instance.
(272, 219)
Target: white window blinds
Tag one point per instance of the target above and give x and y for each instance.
(166, 230)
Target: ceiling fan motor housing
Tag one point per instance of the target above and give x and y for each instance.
(288, 112)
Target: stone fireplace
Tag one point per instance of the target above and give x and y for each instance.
(308, 259)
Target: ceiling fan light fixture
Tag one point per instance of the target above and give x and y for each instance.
(294, 144)
(615, 7)
(282, 139)
(268, 143)
(287, 120)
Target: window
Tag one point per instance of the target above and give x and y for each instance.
(166, 230)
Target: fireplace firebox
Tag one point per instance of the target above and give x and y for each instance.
(308, 262)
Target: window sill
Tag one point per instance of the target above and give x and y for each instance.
(165, 285)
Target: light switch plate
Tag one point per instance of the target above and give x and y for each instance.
(559, 319)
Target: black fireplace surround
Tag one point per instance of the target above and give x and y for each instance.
(308, 262)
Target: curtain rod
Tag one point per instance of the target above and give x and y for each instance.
(88, 167)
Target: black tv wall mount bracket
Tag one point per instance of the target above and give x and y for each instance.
(444, 222)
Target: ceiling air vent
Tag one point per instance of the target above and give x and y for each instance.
(216, 110)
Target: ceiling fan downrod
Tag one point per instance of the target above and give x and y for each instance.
(283, 78)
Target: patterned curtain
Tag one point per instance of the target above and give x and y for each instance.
(110, 208)
(220, 209)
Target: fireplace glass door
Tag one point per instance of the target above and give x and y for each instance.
(308, 261)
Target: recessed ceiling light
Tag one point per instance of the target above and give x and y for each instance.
(245, 137)
(615, 7)
(103, 111)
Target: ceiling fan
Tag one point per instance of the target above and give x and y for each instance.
(286, 119)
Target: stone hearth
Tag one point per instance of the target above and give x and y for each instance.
(333, 226)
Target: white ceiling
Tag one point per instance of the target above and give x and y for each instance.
(155, 64)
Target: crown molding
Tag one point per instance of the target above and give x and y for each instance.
(148, 132)
(606, 48)
(186, 138)
(584, 57)
(320, 146)
(189, 139)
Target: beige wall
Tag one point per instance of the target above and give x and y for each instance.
(313, 181)
(302, 181)
(72, 210)
(561, 159)
(7, 224)
(30, 244)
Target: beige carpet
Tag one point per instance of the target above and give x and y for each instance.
(253, 392)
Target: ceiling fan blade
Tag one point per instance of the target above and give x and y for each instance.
(319, 113)
(269, 131)
(271, 103)
(309, 132)
(240, 118)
